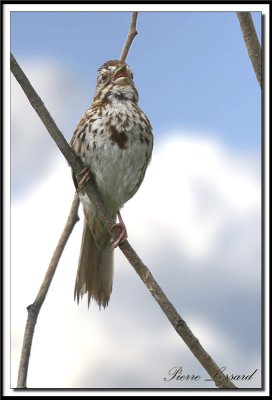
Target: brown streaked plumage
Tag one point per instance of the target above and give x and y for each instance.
(114, 140)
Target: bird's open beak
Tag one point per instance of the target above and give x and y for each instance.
(120, 76)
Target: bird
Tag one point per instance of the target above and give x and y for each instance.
(114, 140)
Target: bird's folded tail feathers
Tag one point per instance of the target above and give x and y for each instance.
(95, 270)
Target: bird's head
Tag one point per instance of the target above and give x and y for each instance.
(115, 82)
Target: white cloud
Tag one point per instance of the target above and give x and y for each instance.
(195, 186)
(194, 191)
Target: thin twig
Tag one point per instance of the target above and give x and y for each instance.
(34, 309)
(178, 323)
(130, 37)
(252, 42)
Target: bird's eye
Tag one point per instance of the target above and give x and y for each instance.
(131, 74)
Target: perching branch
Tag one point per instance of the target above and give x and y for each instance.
(130, 37)
(33, 309)
(178, 323)
(252, 43)
(73, 160)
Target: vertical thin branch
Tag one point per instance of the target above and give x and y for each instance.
(252, 43)
(130, 37)
(34, 309)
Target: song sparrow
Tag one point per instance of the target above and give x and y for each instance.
(114, 140)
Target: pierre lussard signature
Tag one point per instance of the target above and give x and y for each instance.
(179, 374)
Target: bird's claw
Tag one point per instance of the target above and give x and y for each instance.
(86, 177)
(122, 235)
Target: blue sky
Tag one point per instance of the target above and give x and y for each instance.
(195, 220)
(191, 68)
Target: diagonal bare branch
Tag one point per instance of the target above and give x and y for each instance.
(252, 43)
(176, 320)
(131, 35)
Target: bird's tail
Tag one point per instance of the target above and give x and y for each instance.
(95, 269)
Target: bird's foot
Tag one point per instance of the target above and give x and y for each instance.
(123, 232)
(87, 175)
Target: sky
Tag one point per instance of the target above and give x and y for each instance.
(195, 221)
